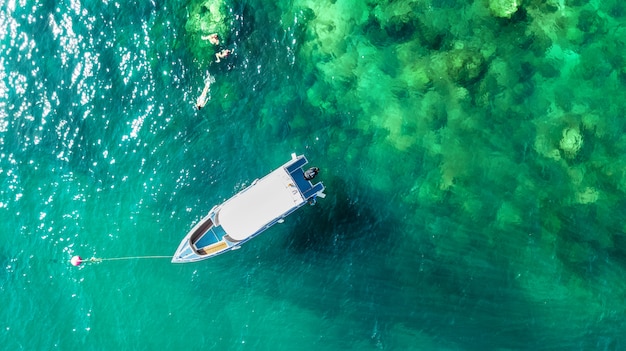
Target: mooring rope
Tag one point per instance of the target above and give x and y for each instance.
(77, 260)
(130, 258)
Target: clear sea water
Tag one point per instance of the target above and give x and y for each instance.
(473, 154)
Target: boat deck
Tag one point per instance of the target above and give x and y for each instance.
(257, 206)
(213, 248)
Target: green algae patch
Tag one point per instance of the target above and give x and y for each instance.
(503, 8)
(465, 65)
(501, 119)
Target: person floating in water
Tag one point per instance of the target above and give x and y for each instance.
(222, 54)
(204, 97)
(212, 38)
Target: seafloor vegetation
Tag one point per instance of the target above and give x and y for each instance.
(498, 122)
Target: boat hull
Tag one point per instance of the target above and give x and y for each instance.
(250, 212)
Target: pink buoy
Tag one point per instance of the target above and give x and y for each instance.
(76, 261)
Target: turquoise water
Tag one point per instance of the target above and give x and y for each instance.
(472, 154)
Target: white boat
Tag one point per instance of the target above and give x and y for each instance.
(251, 211)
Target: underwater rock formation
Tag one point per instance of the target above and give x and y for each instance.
(465, 65)
(571, 142)
(503, 8)
(588, 196)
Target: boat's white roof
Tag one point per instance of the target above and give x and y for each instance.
(271, 197)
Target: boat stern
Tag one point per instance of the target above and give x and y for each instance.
(302, 178)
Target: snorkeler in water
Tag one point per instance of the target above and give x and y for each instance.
(204, 97)
(222, 54)
(212, 38)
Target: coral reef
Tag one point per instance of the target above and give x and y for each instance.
(465, 66)
(503, 8)
(571, 142)
(493, 117)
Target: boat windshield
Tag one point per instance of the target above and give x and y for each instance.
(197, 234)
